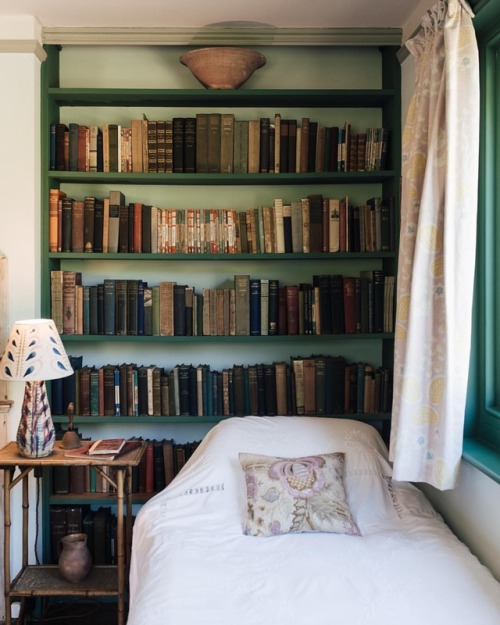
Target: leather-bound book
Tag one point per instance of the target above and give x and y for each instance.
(270, 389)
(309, 386)
(70, 281)
(292, 146)
(159, 482)
(98, 225)
(202, 143)
(281, 388)
(214, 143)
(178, 145)
(350, 316)
(315, 223)
(253, 390)
(320, 385)
(255, 306)
(273, 307)
(261, 390)
(189, 145)
(239, 390)
(66, 224)
(57, 516)
(240, 149)
(227, 143)
(83, 376)
(337, 303)
(76, 479)
(99, 535)
(264, 155)
(292, 309)
(168, 460)
(253, 146)
(132, 307)
(77, 226)
(242, 303)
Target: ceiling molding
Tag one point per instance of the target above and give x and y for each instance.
(256, 36)
(23, 46)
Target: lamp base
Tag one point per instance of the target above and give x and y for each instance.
(36, 434)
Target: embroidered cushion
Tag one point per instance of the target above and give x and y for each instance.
(304, 494)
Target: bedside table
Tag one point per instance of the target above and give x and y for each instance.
(46, 580)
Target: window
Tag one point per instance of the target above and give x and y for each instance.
(482, 431)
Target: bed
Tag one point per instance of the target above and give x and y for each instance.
(247, 534)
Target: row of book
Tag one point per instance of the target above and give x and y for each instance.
(311, 224)
(317, 384)
(99, 526)
(159, 464)
(217, 143)
(328, 304)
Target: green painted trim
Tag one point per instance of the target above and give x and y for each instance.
(308, 338)
(482, 420)
(220, 179)
(222, 257)
(317, 98)
(487, 16)
(483, 458)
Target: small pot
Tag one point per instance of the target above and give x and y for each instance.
(75, 560)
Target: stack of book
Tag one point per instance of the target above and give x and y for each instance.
(327, 304)
(198, 391)
(217, 143)
(303, 225)
(160, 463)
(99, 526)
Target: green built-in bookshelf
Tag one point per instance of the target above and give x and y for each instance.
(89, 86)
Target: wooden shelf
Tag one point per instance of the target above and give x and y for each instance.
(311, 256)
(82, 420)
(238, 98)
(367, 177)
(46, 580)
(309, 338)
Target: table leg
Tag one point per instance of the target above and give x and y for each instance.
(8, 473)
(120, 556)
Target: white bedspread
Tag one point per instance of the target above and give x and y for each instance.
(192, 565)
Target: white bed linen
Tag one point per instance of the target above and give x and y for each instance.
(192, 564)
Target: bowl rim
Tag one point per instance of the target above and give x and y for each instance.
(197, 51)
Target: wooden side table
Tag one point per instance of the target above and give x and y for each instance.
(46, 580)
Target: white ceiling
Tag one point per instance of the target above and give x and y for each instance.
(403, 14)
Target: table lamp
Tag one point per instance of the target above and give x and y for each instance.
(35, 353)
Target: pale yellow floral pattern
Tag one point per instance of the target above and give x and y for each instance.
(437, 249)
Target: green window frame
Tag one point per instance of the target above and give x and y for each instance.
(482, 427)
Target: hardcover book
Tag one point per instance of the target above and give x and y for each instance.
(202, 143)
(107, 446)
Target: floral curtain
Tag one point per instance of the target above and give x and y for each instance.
(437, 249)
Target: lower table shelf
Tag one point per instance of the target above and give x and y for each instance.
(46, 580)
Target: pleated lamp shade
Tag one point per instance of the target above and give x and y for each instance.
(35, 353)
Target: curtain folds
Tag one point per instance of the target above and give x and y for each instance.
(437, 249)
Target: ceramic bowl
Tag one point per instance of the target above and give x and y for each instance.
(223, 67)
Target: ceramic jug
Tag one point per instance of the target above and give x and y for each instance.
(75, 560)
